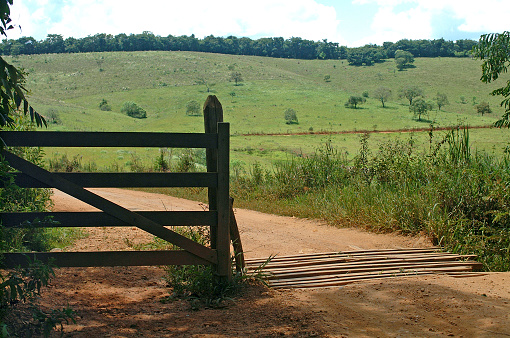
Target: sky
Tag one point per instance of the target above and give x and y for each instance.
(350, 23)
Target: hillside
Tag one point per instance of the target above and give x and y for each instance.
(71, 86)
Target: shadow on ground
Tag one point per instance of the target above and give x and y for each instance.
(126, 302)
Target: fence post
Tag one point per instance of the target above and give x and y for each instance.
(213, 113)
(224, 270)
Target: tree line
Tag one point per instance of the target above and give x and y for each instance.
(277, 47)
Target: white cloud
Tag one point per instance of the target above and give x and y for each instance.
(391, 26)
(286, 18)
(413, 19)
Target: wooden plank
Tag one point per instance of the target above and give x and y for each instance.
(354, 276)
(344, 253)
(345, 262)
(108, 139)
(340, 282)
(379, 265)
(350, 277)
(348, 258)
(223, 202)
(105, 258)
(101, 219)
(367, 268)
(121, 180)
(337, 280)
(110, 207)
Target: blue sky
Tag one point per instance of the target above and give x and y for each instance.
(348, 22)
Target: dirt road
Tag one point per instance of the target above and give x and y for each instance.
(126, 302)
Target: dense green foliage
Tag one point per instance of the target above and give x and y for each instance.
(133, 110)
(12, 90)
(16, 199)
(277, 47)
(494, 50)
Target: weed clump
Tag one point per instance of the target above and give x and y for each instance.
(199, 284)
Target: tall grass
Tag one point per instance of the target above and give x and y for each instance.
(456, 196)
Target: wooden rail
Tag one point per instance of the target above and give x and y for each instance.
(216, 179)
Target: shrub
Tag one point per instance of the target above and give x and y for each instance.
(193, 108)
(162, 164)
(133, 110)
(104, 106)
(198, 283)
(290, 116)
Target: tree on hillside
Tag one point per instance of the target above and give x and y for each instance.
(483, 108)
(133, 110)
(494, 50)
(203, 81)
(403, 59)
(290, 116)
(193, 108)
(236, 77)
(354, 101)
(441, 100)
(411, 92)
(382, 94)
(420, 107)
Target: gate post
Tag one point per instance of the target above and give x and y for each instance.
(219, 161)
(223, 269)
(213, 113)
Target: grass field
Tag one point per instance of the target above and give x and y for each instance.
(72, 86)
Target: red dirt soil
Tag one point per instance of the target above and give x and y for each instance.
(126, 301)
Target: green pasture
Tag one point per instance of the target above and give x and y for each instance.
(266, 150)
(71, 86)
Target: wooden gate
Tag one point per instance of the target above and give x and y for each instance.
(216, 142)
